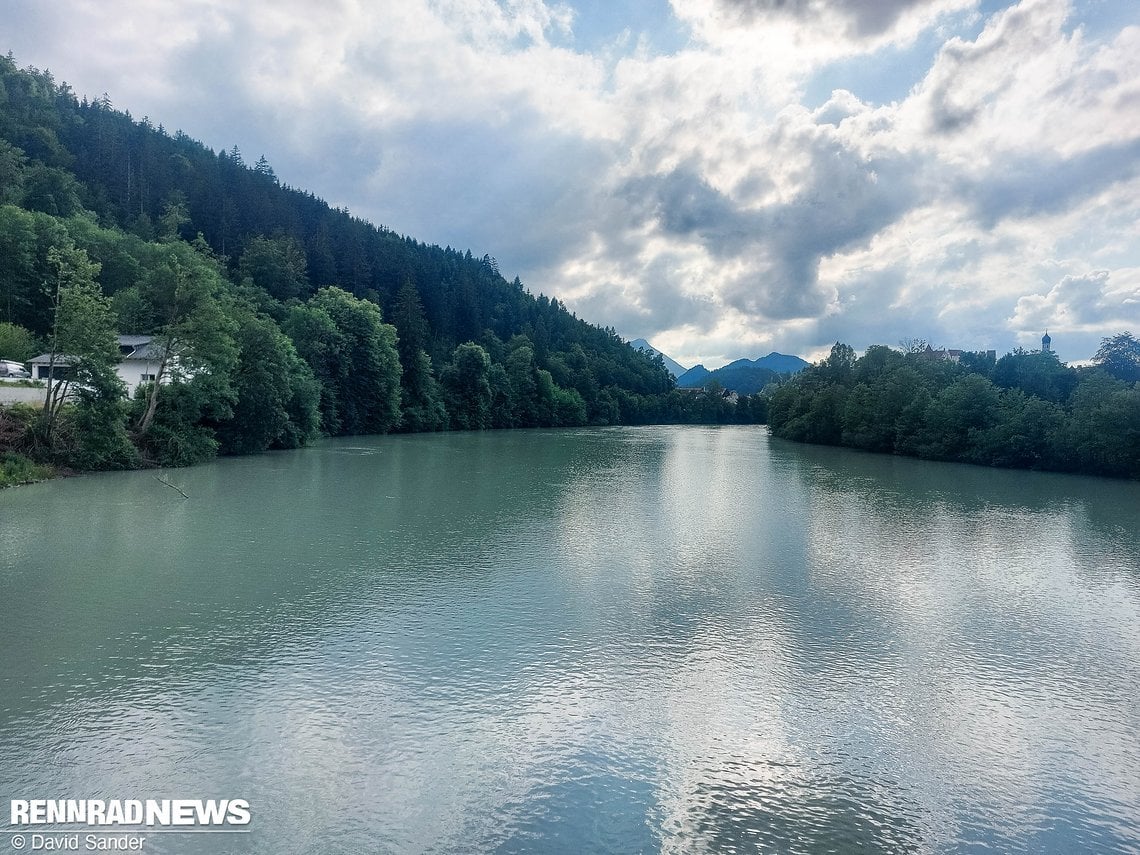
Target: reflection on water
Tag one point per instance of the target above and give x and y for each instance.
(628, 640)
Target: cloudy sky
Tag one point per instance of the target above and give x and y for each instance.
(721, 177)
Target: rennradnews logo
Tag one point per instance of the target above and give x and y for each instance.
(150, 813)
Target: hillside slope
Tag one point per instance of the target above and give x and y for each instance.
(277, 317)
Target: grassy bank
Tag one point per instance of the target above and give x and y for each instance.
(17, 469)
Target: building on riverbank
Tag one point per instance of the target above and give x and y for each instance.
(139, 362)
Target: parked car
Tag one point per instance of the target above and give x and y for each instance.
(13, 370)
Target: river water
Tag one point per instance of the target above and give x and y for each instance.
(671, 639)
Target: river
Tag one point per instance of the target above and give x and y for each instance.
(663, 639)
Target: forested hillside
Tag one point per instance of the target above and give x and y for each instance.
(1025, 410)
(278, 317)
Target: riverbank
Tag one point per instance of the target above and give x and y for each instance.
(1024, 411)
(15, 469)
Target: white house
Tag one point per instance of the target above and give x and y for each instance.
(138, 365)
(140, 361)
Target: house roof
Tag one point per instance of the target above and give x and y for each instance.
(146, 352)
(45, 359)
(130, 347)
(139, 347)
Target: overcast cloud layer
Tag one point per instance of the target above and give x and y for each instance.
(721, 177)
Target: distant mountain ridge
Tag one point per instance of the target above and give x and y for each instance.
(675, 368)
(744, 376)
(781, 363)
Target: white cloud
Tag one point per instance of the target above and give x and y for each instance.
(1081, 302)
(811, 30)
(687, 197)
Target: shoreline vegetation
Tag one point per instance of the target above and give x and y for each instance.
(274, 319)
(15, 470)
(1026, 410)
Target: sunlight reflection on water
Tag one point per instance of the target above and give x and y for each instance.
(626, 640)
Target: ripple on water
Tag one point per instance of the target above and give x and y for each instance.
(652, 640)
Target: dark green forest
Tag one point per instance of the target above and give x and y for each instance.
(277, 317)
(1026, 410)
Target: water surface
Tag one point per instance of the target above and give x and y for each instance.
(667, 639)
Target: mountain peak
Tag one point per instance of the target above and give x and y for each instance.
(781, 363)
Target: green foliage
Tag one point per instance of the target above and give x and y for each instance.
(530, 405)
(840, 363)
(1037, 373)
(85, 322)
(122, 257)
(1103, 432)
(132, 311)
(318, 341)
(273, 386)
(17, 428)
(25, 239)
(51, 190)
(83, 341)
(100, 436)
(175, 215)
(17, 469)
(1119, 355)
(752, 410)
(178, 434)
(877, 361)
(502, 408)
(18, 343)
(277, 265)
(824, 422)
(467, 385)
(193, 333)
(569, 408)
(421, 399)
(956, 415)
(353, 353)
(981, 362)
(1028, 411)
(303, 407)
(12, 170)
(82, 349)
(1024, 434)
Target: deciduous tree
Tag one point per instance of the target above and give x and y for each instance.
(1119, 355)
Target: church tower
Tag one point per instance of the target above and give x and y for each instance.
(1046, 342)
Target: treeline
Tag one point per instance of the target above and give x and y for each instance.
(1026, 410)
(276, 317)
